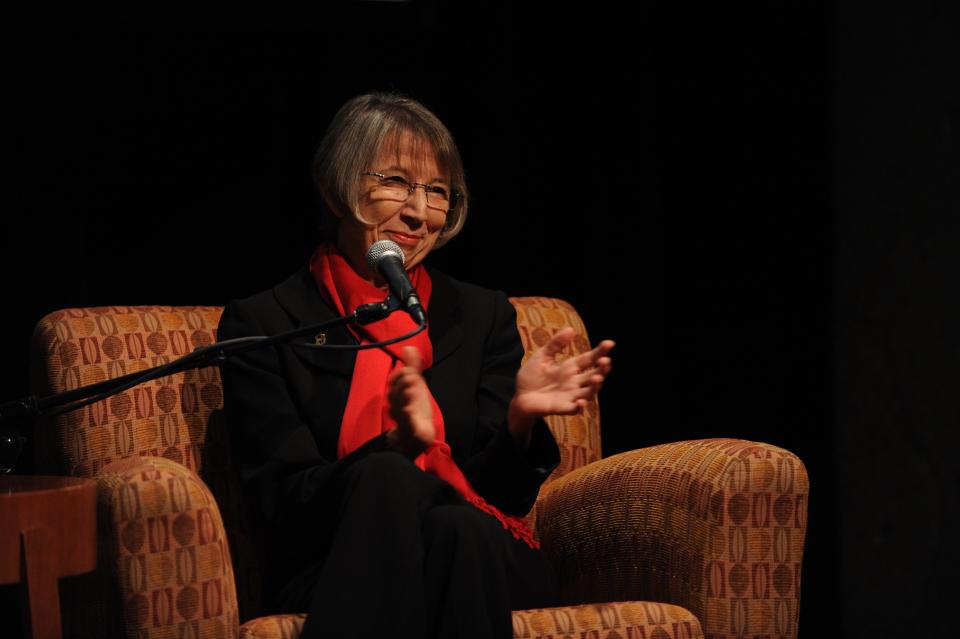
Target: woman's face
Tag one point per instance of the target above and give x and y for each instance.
(412, 224)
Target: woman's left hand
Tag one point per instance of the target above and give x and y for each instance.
(546, 386)
(410, 406)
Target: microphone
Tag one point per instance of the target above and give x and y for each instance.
(386, 257)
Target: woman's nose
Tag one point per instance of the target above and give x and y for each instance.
(416, 204)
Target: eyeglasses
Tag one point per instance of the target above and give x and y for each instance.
(398, 189)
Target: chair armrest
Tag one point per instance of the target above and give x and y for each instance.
(163, 557)
(716, 526)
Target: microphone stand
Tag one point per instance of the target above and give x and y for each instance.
(26, 411)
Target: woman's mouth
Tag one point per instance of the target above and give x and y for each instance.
(404, 239)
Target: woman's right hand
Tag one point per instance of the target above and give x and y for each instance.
(411, 406)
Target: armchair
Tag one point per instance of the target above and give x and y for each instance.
(712, 530)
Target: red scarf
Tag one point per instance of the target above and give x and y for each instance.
(367, 414)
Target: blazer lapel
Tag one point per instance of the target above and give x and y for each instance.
(299, 296)
(444, 317)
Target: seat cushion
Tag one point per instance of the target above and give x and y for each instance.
(595, 621)
(616, 620)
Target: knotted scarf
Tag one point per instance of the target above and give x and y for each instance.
(367, 414)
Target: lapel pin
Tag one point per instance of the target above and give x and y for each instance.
(320, 339)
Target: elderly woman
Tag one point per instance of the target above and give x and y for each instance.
(388, 485)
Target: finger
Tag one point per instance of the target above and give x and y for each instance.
(396, 377)
(590, 374)
(604, 366)
(576, 407)
(587, 392)
(401, 383)
(559, 341)
(401, 372)
(602, 349)
(407, 378)
(593, 357)
(411, 357)
(588, 387)
(402, 398)
(581, 379)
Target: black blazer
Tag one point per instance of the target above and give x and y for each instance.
(284, 404)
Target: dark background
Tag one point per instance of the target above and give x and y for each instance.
(759, 203)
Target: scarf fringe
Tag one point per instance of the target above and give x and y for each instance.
(516, 525)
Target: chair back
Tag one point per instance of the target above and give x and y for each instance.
(178, 417)
(169, 417)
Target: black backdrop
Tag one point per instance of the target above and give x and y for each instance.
(756, 202)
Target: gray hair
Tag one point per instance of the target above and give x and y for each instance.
(355, 138)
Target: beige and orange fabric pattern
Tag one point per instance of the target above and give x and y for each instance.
(609, 620)
(164, 565)
(689, 539)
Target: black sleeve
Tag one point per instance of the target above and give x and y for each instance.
(274, 451)
(506, 476)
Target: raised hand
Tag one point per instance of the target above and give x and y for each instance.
(546, 386)
(410, 406)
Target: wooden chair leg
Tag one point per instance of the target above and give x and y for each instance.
(39, 556)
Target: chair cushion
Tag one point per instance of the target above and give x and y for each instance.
(617, 620)
(600, 621)
(273, 627)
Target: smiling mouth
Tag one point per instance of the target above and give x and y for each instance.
(403, 237)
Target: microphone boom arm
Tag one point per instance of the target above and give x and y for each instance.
(26, 411)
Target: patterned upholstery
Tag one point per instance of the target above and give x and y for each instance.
(619, 620)
(171, 557)
(715, 526)
(273, 627)
(164, 560)
(167, 417)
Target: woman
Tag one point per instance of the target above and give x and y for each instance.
(389, 484)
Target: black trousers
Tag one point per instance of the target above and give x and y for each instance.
(406, 556)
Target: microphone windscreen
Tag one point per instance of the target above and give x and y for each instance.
(381, 249)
